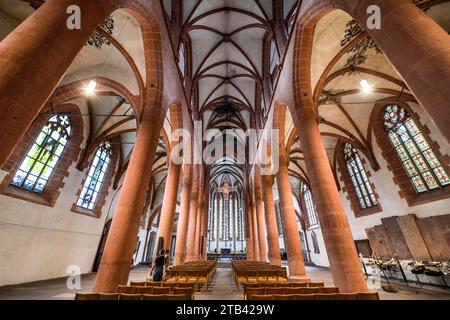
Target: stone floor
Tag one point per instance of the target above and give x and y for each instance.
(222, 288)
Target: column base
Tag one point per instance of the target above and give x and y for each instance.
(299, 279)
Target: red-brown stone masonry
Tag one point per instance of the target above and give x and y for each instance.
(104, 189)
(70, 154)
(349, 189)
(394, 165)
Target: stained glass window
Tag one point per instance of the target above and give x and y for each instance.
(361, 184)
(182, 60)
(35, 170)
(310, 208)
(425, 171)
(96, 175)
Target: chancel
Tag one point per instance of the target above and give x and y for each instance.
(224, 150)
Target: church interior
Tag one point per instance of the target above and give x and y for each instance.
(272, 149)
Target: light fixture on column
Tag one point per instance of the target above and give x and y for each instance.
(90, 89)
(366, 88)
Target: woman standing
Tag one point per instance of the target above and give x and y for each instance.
(158, 267)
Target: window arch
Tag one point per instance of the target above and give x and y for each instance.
(96, 175)
(182, 60)
(66, 117)
(424, 170)
(39, 163)
(309, 204)
(315, 243)
(361, 184)
(274, 60)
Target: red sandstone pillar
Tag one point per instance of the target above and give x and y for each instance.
(260, 218)
(418, 48)
(198, 225)
(183, 218)
(34, 58)
(249, 234)
(190, 254)
(344, 262)
(169, 205)
(271, 221)
(290, 229)
(121, 242)
(255, 228)
(205, 219)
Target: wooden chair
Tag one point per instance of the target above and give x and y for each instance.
(176, 297)
(329, 290)
(274, 290)
(161, 290)
(291, 290)
(138, 283)
(316, 284)
(311, 290)
(153, 283)
(108, 296)
(126, 289)
(283, 297)
(189, 292)
(368, 296)
(298, 284)
(253, 291)
(185, 284)
(144, 290)
(154, 297)
(85, 296)
(326, 296)
(259, 297)
(347, 296)
(305, 296)
(127, 296)
(282, 284)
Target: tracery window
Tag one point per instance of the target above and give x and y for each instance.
(182, 60)
(423, 168)
(360, 181)
(35, 170)
(274, 59)
(315, 243)
(310, 208)
(96, 175)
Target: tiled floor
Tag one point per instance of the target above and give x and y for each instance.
(222, 288)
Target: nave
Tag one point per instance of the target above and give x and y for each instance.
(286, 134)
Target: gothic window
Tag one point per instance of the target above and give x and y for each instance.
(310, 208)
(274, 59)
(35, 170)
(279, 218)
(315, 243)
(92, 185)
(360, 181)
(182, 60)
(423, 168)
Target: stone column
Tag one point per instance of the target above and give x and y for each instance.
(190, 254)
(344, 262)
(198, 224)
(248, 217)
(260, 215)
(290, 228)
(418, 48)
(255, 228)
(169, 205)
(121, 242)
(271, 221)
(205, 221)
(35, 57)
(183, 218)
